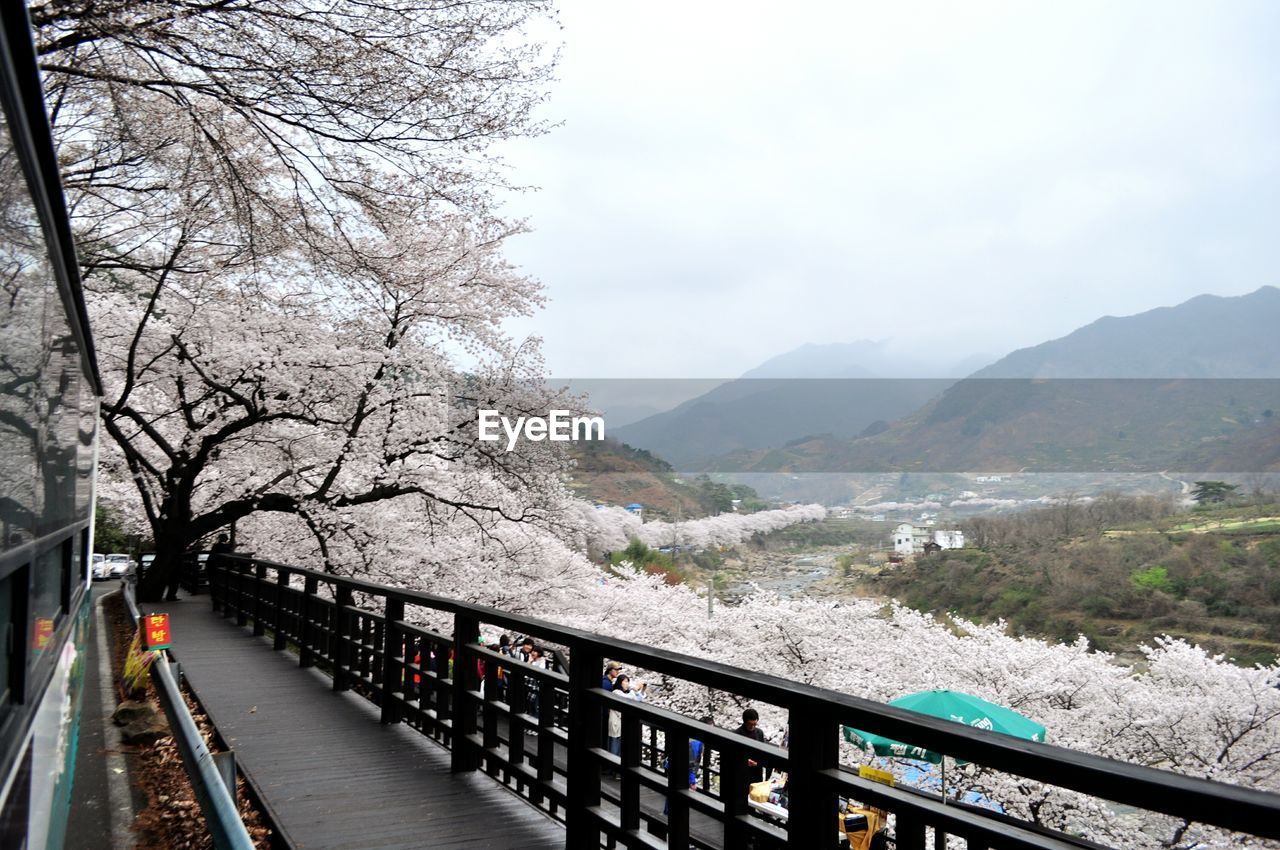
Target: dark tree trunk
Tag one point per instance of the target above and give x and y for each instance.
(168, 561)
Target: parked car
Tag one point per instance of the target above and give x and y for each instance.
(145, 563)
(98, 567)
(119, 564)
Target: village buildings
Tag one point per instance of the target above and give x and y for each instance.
(910, 539)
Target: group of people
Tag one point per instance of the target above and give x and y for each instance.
(525, 650)
(618, 682)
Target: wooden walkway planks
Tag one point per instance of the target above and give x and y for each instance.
(332, 775)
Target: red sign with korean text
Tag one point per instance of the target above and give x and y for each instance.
(44, 631)
(155, 631)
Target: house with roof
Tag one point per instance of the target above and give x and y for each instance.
(911, 539)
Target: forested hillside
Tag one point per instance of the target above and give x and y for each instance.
(1211, 576)
(614, 473)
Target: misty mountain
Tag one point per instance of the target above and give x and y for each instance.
(861, 359)
(1189, 387)
(842, 389)
(625, 400)
(619, 415)
(757, 413)
(1207, 337)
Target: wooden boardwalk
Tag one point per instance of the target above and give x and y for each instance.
(330, 773)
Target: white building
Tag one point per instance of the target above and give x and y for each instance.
(949, 538)
(909, 539)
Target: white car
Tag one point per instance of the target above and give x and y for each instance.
(98, 567)
(118, 565)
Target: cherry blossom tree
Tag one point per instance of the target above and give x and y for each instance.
(285, 219)
(608, 528)
(1183, 709)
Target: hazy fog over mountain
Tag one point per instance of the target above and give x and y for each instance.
(883, 358)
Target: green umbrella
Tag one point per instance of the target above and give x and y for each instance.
(949, 705)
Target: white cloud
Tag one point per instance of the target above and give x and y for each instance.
(733, 181)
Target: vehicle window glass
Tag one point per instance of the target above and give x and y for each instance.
(26, 289)
(46, 597)
(72, 570)
(8, 641)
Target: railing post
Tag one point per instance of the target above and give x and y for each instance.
(705, 764)
(813, 748)
(242, 578)
(227, 605)
(343, 599)
(439, 694)
(306, 656)
(546, 741)
(630, 785)
(365, 652)
(678, 768)
(215, 596)
(908, 833)
(259, 586)
(222, 577)
(582, 781)
(392, 665)
(517, 698)
(377, 641)
(282, 585)
(733, 794)
(466, 632)
(489, 718)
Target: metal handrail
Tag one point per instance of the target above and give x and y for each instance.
(242, 584)
(216, 803)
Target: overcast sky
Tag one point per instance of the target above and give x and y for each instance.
(733, 180)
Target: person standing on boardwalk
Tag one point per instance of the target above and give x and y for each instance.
(751, 728)
(613, 737)
(222, 547)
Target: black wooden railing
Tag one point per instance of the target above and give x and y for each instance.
(543, 733)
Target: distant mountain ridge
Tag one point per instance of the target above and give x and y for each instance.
(841, 389)
(1209, 336)
(1191, 387)
(755, 414)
